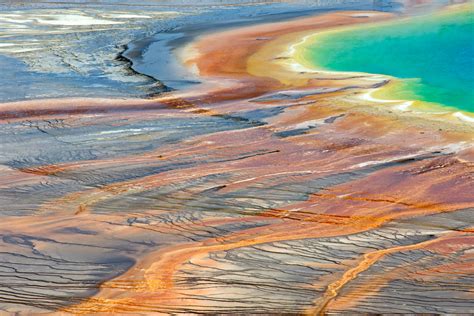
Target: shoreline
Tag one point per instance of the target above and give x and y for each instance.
(163, 45)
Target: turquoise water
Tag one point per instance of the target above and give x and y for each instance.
(434, 55)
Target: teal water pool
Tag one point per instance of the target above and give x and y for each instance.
(432, 55)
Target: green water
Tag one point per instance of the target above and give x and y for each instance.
(433, 55)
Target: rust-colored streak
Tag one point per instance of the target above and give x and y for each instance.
(365, 263)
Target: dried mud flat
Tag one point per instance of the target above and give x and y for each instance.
(261, 190)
